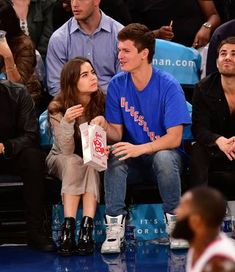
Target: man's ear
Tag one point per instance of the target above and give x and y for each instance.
(145, 53)
(195, 221)
(97, 3)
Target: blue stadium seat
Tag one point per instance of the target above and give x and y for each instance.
(184, 63)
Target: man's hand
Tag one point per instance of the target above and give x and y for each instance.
(165, 32)
(201, 38)
(2, 148)
(73, 112)
(125, 150)
(100, 121)
(66, 5)
(231, 150)
(227, 146)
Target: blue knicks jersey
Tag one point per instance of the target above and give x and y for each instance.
(146, 114)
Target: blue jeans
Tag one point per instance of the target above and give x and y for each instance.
(165, 168)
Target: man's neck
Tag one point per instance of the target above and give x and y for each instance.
(21, 2)
(91, 24)
(199, 244)
(228, 84)
(142, 76)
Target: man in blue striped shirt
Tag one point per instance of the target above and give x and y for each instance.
(89, 33)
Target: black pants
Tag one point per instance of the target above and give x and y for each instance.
(30, 165)
(205, 159)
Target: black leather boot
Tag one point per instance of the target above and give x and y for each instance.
(67, 242)
(85, 241)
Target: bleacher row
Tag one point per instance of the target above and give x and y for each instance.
(140, 190)
(185, 64)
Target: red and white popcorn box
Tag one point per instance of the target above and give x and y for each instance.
(94, 142)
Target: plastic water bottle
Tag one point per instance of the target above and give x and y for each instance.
(2, 35)
(130, 233)
(130, 240)
(3, 76)
(56, 224)
(227, 226)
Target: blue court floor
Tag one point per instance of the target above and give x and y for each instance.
(136, 257)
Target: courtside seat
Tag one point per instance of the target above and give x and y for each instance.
(143, 190)
(12, 215)
(12, 219)
(140, 189)
(183, 62)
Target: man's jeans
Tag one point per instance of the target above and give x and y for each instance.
(163, 166)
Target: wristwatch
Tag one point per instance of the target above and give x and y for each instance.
(207, 25)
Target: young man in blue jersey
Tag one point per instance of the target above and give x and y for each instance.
(145, 114)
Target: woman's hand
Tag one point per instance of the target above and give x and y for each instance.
(73, 112)
(5, 50)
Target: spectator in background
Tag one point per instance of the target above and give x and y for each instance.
(145, 112)
(20, 155)
(199, 218)
(18, 58)
(222, 32)
(79, 101)
(213, 118)
(226, 9)
(117, 9)
(89, 33)
(193, 21)
(62, 13)
(36, 21)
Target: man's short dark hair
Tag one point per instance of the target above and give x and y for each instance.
(229, 40)
(141, 36)
(210, 204)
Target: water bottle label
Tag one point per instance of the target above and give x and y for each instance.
(2, 76)
(130, 232)
(227, 226)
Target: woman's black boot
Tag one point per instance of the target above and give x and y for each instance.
(85, 244)
(67, 241)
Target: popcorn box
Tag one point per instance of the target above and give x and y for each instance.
(94, 142)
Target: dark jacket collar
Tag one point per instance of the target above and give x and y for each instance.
(212, 86)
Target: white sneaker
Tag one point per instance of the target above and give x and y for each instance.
(115, 262)
(174, 243)
(115, 228)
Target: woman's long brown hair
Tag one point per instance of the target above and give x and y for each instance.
(68, 95)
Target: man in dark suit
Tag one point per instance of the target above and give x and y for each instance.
(20, 155)
(213, 118)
